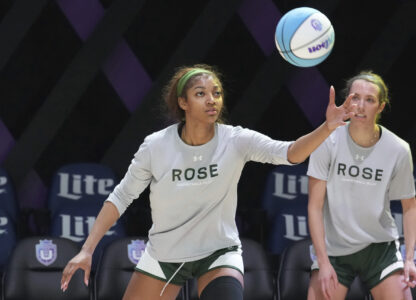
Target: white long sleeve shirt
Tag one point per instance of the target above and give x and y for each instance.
(193, 189)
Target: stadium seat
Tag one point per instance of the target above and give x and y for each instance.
(35, 270)
(258, 275)
(285, 201)
(8, 220)
(8, 202)
(294, 273)
(77, 194)
(116, 266)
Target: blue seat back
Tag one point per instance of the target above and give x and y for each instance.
(285, 200)
(35, 270)
(77, 194)
(8, 218)
(8, 201)
(8, 238)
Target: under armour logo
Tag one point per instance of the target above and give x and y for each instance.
(196, 157)
(359, 157)
(2, 191)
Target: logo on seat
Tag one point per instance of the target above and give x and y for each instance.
(46, 252)
(135, 250)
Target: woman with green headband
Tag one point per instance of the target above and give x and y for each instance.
(193, 168)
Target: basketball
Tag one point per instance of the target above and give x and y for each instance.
(304, 37)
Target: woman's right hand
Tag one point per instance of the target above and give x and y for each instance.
(328, 280)
(83, 261)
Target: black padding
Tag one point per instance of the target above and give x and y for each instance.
(27, 278)
(294, 274)
(115, 269)
(258, 274)
(294, 271)
(224, 288)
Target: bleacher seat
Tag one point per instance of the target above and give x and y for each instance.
(8, 201)
(258, 275)
(116, 266)
(77, 194)
(285, 200)
(8, 219)
(294, 274)
(35, 270)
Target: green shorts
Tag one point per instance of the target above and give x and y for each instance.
(372, 264)
(179, 273)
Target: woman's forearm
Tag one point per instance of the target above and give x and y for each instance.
(306, 144)
(409, 226)
(107, 216)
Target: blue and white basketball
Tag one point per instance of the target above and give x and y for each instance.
(304, 37)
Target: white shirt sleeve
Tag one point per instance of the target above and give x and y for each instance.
(320, 161)
(136, 179)
(402, 184)
(255, 146)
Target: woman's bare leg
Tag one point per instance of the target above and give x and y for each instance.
(143, 287)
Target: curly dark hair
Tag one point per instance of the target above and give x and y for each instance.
(170, 96)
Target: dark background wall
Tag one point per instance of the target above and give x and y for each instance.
(80, 80)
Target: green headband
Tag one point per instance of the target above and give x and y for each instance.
(184, 79)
